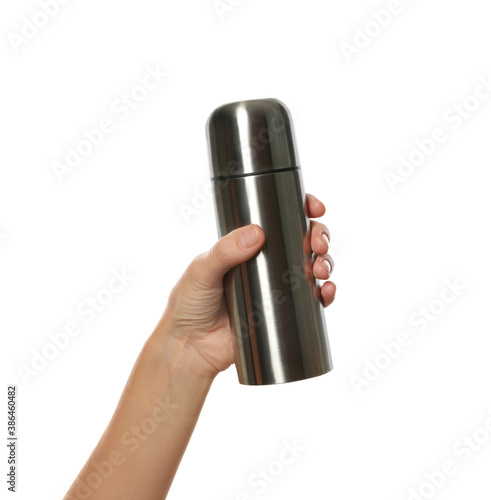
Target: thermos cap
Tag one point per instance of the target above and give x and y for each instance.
(250, 137)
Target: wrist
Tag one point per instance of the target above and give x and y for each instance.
(176, 354)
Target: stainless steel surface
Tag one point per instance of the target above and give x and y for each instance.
(249, 137)
(280, 332)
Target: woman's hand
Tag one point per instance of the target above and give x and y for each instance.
(167, 388)
(196, 315)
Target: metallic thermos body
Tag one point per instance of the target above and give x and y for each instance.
(272, 300)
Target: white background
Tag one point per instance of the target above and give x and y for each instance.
(122, 208)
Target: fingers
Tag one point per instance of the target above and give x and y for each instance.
(235, 248)
(323, 267)
(319, 242)
(320, 238)
(315, 207)
(240, 245)
(328, 293)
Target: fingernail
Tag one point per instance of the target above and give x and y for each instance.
(326, 234)
(325, 238)
(249, 237)
(329, 264)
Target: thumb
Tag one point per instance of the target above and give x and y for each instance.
(233, 249)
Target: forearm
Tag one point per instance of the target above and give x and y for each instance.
(141, 449)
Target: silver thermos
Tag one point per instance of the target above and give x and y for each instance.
(272, 300)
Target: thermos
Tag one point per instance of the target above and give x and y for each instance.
(273, 303)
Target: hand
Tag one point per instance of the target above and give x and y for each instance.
(196, 315)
